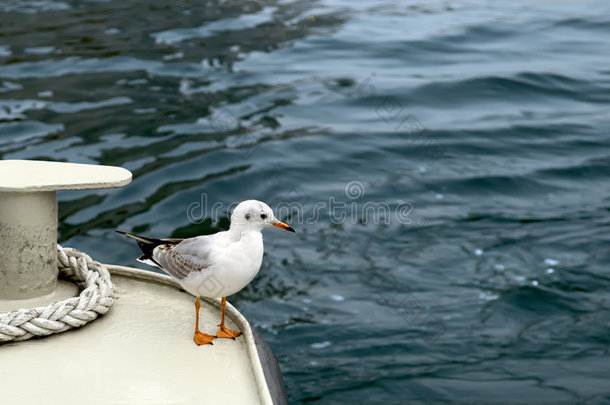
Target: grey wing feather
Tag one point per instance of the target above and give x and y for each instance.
(180, 260)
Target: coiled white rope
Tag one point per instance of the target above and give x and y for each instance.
(95, 299)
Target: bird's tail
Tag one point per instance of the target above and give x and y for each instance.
(147, 245)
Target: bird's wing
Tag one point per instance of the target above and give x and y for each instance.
(186, 257)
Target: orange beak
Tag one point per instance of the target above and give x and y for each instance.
(283, 226)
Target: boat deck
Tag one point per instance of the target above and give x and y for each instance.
(140, 352)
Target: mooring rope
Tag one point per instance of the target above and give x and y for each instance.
(95, 299)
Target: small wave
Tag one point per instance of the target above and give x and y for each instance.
(15, 132)
(32, 6)
(592, 169)
(244, 21)
(526, 87)
(88, 105)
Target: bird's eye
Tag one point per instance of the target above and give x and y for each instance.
(247, 217)
(263, 216)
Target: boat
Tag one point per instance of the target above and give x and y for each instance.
(135, 344)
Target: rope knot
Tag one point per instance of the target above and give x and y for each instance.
(96, 297)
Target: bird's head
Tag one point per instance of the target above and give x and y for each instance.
(255, 215)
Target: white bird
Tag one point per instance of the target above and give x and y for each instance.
(217, 265)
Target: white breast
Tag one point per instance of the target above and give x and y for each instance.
(233, 268)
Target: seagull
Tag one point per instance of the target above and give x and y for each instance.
(217, 265)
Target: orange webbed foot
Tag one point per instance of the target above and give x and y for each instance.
(227, 333)
(203, 339)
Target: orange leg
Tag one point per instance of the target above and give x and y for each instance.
(200, 338)
(225, 332)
